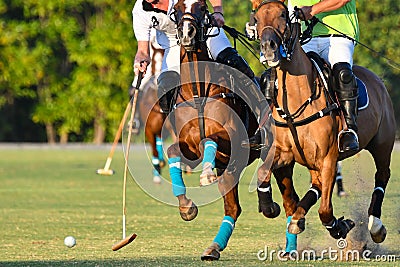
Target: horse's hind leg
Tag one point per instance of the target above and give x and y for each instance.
(187, 209)
(159, 148)
(381, 156)
(151, 138)
(290, 198)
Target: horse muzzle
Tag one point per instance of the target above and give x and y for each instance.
(269, 45)
(187, 34)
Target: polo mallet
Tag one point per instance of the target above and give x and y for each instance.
(126, 240)
(106, 170)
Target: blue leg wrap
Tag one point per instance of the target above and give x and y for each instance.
(210, 149)
(178, 186)
(159, 147)
(225, 232)
(291, 239)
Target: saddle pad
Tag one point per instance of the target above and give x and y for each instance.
(363, 99)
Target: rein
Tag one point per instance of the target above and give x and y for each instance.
(200, 95)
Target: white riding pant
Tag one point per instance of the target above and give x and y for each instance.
(333, 49)
(171, 60)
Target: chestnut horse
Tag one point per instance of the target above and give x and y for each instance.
(210, 121)
(307, 123)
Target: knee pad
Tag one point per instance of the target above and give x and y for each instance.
(229, 56)
(167, 82)
(345, 83)
(267, 84)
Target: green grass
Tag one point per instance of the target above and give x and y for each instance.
(48, 193)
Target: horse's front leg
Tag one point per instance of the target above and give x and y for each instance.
(228, 187)
(266, 205)
(187, 209)
(207, 175)
(338, 228)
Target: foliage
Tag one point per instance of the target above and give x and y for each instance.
(70, 63)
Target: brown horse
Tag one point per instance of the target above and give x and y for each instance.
(307, 122)
(210, 122)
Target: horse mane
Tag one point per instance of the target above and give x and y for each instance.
(257, 3)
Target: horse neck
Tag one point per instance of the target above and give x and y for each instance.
(296, 76)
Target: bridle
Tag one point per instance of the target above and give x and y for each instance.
(290, 33)
(201, 22)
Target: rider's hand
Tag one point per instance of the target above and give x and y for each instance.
(219, 19)
(305, 13)
(140, 66)
(218, 16)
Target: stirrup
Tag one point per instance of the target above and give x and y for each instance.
(342, 132)
(255, 142)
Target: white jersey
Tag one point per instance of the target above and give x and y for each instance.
(145, 17)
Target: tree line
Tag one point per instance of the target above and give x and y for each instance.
(66, 66)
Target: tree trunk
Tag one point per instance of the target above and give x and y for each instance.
(51, 133)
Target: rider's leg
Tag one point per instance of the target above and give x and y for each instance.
(268, 87)
(167, 81)
(347, 92)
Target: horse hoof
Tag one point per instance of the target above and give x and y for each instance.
(297, 226)
(340, 228)
(342, 194)
(376, 229)
(272, 211)
(380, 236)
(208, 179)
(157, 179)
(211, 253)
(190, 213)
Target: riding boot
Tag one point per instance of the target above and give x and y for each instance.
(268, 88)
(346, 89)
(348, 140)
(168, 82)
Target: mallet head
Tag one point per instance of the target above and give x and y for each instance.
(105, 172)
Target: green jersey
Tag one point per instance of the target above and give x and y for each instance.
(343, 19)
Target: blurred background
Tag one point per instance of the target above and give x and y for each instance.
(66, 66)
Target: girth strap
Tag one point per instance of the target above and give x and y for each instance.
(324, 112)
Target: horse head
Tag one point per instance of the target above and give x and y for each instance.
(275, 30)
(193, 21)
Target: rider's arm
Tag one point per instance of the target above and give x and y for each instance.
(322, 6)
(141, 27)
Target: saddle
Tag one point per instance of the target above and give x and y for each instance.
(325, 74)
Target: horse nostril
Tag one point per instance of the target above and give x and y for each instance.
(273, 45)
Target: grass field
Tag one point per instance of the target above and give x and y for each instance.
(48, 193)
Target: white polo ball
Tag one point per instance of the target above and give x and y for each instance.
(70, 241)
